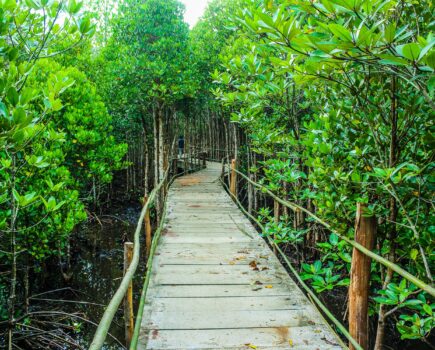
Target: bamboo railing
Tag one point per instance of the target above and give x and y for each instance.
(295, 207)
(114, 304)
(105, 322)
(231, 188)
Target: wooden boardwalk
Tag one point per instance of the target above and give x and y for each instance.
(216, 284)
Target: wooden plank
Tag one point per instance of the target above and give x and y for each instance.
(180, 225)
(172, 254)
(217, 218)
(295, 338)
(204, 239)
(230, 247)
(217, 291)
(203, 319)
(239, 303)
(215, 274)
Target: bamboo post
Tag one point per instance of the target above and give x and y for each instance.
(276, 220)
(147, 227)
(365, 231)
(250, 195)
(233, 178)
(128, 299)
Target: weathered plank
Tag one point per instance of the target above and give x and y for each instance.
(297, 317)
(227, 303)
(215, 274)
(218, 291)
(215, 283)
(295, 338)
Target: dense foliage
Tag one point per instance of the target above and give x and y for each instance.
(327, 103)
(336, 98)
(56, 144)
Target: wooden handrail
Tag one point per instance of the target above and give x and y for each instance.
(142, 300)
(295, 273)
(293, 206)
(105, 322)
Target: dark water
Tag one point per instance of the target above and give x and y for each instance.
(97, 269)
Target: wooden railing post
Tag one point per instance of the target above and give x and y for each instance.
(233, 180)
(276, 220)
(365, 232)
(147, 227)
(128, 299)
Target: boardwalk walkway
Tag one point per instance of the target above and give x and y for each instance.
(216, 284)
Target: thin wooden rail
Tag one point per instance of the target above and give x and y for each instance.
(105, 322)
(301, 282)
(142, 300)
(293, 206)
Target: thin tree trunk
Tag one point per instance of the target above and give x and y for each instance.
(393, 156)
(156, 129)
(12, 292)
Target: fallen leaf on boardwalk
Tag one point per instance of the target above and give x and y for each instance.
(256, 289)
(232, 263)
(264, 268)
(252, 346)
(328, 341)
(290, 342)
(253, 265)
(258, 283)
(264, 257)
(317, 331)
(268, 286)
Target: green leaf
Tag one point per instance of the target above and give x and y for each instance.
(12, 96)
(26, 96)
(410, 51)
(340, 32)
(9, 5)
(393, 60)
(426, 49)
(3, 197)
(430, 59)
(4, 110)
(412, 302)
(74, 7)
(20, 116)
(383, 300)
(333, 239)
(33, 4)
(13, 54)
(317, 266)
(427, 309)
(390, 32)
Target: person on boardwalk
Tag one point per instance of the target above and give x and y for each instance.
(181, 145)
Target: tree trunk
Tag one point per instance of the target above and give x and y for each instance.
(12, 227)
(393, 156)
